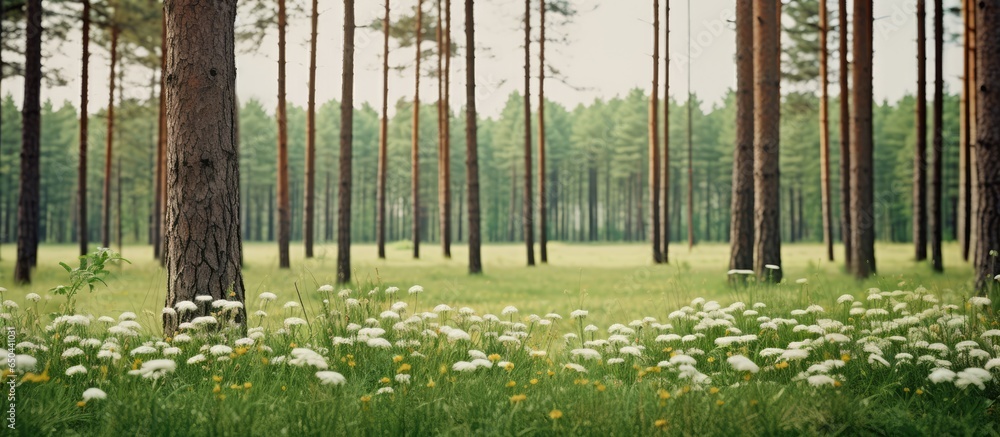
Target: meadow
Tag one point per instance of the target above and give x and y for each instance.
(599, 342)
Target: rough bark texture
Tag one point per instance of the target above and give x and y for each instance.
(862, 189)
(543, 218)
(28, 200)
(528, 214)
(920, 156)
(935, 202)
(824, 129)
(974, 74)
(346, 141)
(203, 173)
(742, 219)
(654, 142)
(383, 147)
(845, 139)
(309, 219)
(81, 180)
(665, 176)
(964, 213)
(415, 146)
(471, 141)
(109, 144)
(767, 113)
(988, 142)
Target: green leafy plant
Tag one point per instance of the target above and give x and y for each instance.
(91, 272)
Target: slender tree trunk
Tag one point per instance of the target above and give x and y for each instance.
(471, 142)
(654, 141)
(81, 181)
(446, 122)
(310, 195)
(862, 193)
(964, 210)
(936, 199)
(741, 218)
(109, 144)
(346, 141)
(988, 143)
(974, 74)
(846, 229)
(28, 200)
(415, 147)
(203, 205)
(284, 211)
(528, 214)
(690, 143)
(767, 112)
(118, 203)
(383, 147)
(664, 195)
(920, 159)
(543, 219)
(824, 127)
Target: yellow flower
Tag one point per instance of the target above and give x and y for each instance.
(247, 385)
(293, 345)
(837, 383)
(906, 389)
(686, 389)
(366, 398)
(222, 397)
(781, 365)
(711, 359)
(404, 368)
(845, 358)
(518, 398)
(494, 357)
(713, 390)
(661, 423)
(555, 414)
(719, 402)
(217, 378)
(431, 384)
(920, 392)
(136, 363)
(350, 363)
(511, 384)
(533, 381)
(747, 376)
(216, 389)
(385, 380)
(397, 358)
(236, 386)
(264, 360)
(509, 366)
(664, 395)
(443, 369)
(551, 373)
(241, 351)
(601, 387)
(81, 404)
(283, 388)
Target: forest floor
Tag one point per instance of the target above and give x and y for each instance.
(599, 342)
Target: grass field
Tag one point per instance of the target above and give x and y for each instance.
(617, 280)
(667, 349)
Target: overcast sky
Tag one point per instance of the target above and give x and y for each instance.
(607, 53)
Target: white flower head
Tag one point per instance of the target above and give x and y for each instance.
(979, 301)
(772, 267)
(578, 314)
(267, 296)
(34, 297)
(203, 298)
(94, 393)
(327, 377)
(154, 369)
(416, 289)
(325, 288)
(79, 368)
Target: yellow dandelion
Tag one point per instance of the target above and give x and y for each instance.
(518, 398)
(533, 381)
(711, 359)
(404, 368)
(781, 365)
(235, 386)
(713, 390)
(906, 389)
(555, 414)
(385, 380)
(283, 388)
(494, 357)
(217, 378)
(222, 397)
(397, 358)
(366, 398)
(216, 389)
(664, 395)
(511, 384)
(443, 369)
(247, 385)
(845, 358)
(919, 392)
(264, 360)
(661, 423)
(601, 387)
(351, 363)
(509, 366)
(293, 345)
(431, 384)
(551, 373)
(81, 404)
(719, 402)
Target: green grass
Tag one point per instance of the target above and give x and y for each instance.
(618, 279)
(253, 393)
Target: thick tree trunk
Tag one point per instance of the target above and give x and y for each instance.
(543, 218)
(528, 215)
(920, 157)
(741, 218)
(28, 200)
(988, 143)
(654, 140)
(862, 190)
(767, 113)
(309, 225)
(203, 204)
(109, 144)
(936, 199)
(346, 141)
(383, 145)
(845, 139)
(964, 210)
(665, 167)
(284, 210)
(824, 128)
(471, 142)
(415, 136)
(81, 180)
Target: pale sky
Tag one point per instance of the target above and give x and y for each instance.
(607, 53)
